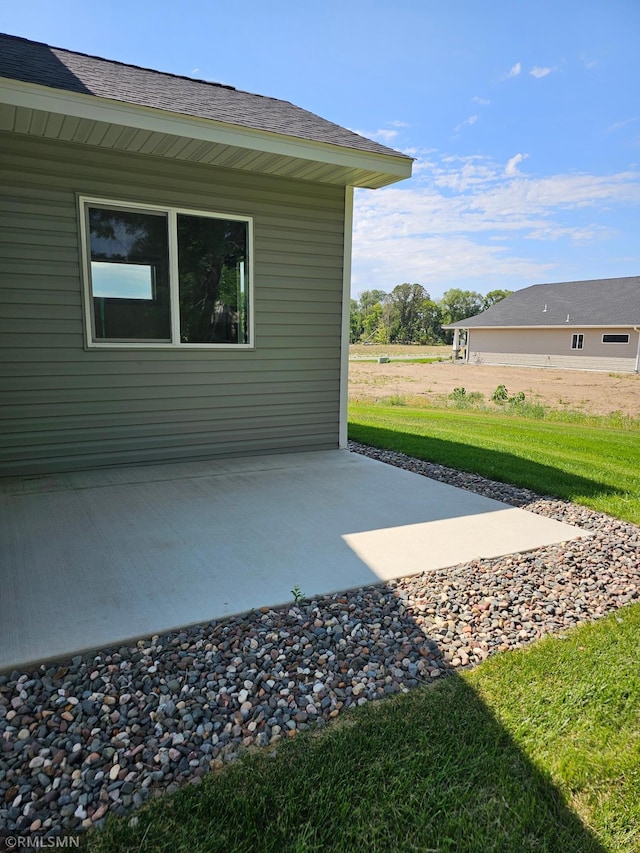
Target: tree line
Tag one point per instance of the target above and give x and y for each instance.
(408, 315)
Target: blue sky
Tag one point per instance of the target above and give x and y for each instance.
(523, 117)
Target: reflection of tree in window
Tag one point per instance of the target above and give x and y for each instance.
(212, 268)
(121, 237)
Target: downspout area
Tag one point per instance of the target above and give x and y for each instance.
(637, 329)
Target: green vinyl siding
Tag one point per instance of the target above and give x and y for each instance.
(66, 407)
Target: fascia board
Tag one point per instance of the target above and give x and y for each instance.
(558, 326)
(79, 105)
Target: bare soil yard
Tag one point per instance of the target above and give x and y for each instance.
(588, 392)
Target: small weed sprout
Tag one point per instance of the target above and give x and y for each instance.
(297, 594)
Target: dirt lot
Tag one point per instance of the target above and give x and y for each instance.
(589, 392)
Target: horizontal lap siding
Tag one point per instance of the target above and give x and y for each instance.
(559, 362)
(552, 348)
(65, 407)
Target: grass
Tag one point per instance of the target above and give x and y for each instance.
(476, 400)
(596, 466)
(532, 409)
(536, 750)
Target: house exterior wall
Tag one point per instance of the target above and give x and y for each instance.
(552, 348)
(65, 406)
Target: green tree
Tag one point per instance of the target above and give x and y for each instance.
(371, 320)
(405, 315)
(370, 308)
(369, 298)
(494, 296)
(457, 305)
(355, 322)
(432, 322)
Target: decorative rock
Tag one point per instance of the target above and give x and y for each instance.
(73, 746)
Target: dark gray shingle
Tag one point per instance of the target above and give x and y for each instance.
(35, 62)
(599, 302)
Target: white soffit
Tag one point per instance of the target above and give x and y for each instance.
(73, 117)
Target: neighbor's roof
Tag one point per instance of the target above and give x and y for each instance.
(600, 302)
(35, 62)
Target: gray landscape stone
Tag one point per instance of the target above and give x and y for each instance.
(101, 732)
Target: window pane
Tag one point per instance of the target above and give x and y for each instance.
(130, 275)
(213, 267)
(615, 339)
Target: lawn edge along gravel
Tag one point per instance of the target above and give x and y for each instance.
(99, 733)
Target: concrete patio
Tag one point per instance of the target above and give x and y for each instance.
(96, 558)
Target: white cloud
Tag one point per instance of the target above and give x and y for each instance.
(541, 72)
(620, 124)
(511, 168)
(195, 70)
(468, 218)
(472, 172)
(384, 135)
(468, 122)
(484, 102)
(515, 70)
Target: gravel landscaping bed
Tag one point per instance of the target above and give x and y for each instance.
(104, 731)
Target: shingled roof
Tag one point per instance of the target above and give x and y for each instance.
(35, 62)
(598, 302)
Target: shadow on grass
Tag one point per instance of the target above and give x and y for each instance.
(428, 770)
(494, 464)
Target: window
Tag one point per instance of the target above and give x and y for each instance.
(577, 341)
(166, 277)
(615, 339)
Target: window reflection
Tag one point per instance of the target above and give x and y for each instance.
(212, 263)
(130, 275)
(122, 281)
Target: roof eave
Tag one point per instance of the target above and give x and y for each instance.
(628, 325)
(220, 143)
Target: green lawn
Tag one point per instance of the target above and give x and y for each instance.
(597, 466)
(536, 750)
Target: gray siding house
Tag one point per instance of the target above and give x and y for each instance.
(581, 325)
(174, 265)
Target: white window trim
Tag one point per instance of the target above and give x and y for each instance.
(579, 344)
(172, 214)
(617, 343)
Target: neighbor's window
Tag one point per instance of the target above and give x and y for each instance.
(615, 339)
(166, 277)
(577, 341)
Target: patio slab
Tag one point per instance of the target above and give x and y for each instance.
(97, 558)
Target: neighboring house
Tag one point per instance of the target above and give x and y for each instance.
(174, 265)
(583, 325)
